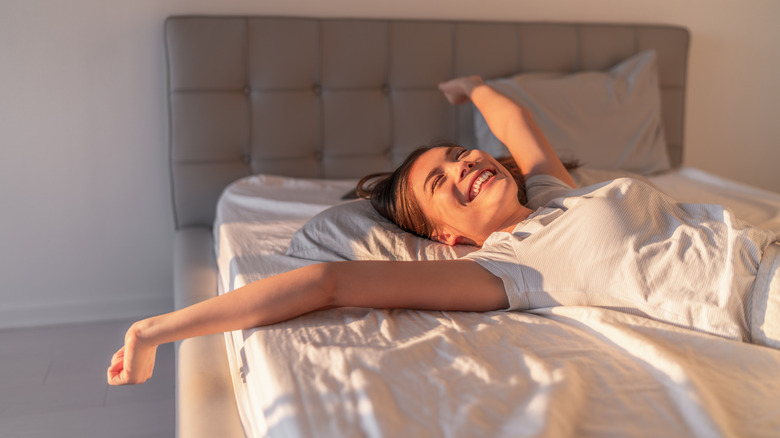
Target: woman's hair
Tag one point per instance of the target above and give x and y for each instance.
(392, 197)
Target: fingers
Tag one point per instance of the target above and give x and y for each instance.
(124, 371)
(116, 376)
(458, 90)
(115, 368)
(451, 93)
(118, 355)
(133, 363)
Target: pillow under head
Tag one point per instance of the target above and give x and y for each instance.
(355, 231)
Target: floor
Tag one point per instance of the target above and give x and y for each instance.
(53, 384)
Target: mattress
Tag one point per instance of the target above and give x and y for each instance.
(563, 371)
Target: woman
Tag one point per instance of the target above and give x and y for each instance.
(458, 196)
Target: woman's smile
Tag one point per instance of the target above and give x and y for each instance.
(479, 182)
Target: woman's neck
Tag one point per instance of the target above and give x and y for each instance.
(511, 223)
(522, 214)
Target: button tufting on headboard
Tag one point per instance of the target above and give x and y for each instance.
(338, 98)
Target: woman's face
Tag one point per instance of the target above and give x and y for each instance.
(466, 194)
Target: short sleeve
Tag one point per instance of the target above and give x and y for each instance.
(541, 189)
(497, 255)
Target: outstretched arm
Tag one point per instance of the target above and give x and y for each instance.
(434, 285)
(512, 124)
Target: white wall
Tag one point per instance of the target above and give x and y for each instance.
(86, 228)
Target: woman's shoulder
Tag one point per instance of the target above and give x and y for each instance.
(542, 189)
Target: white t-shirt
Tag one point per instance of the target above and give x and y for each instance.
(626, 246)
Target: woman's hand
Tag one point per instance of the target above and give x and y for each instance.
(133, 363)
(458, 90)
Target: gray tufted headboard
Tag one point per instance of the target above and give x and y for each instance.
(339, 98)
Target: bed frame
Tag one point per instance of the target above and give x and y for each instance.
(339, 98)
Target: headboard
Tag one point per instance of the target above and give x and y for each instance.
(340, 98)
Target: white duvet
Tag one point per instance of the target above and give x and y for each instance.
(565, 371)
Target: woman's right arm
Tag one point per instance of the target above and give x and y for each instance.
(435, 285)
(259, 303)
(512, 124)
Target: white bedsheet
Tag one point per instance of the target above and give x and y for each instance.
(571, 371)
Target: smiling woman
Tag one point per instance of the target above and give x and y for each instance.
(466, 195)
(620, 245)
(437, 188)
(438, 191)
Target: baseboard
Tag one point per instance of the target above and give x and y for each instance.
(73, 313)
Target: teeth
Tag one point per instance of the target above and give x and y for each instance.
(484, 176)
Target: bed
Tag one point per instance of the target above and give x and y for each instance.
(271, 121)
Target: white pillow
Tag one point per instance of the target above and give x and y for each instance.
(355, 231)
(608, 120)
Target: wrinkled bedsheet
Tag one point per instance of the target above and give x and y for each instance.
(573, 371)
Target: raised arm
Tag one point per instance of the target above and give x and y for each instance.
(512, 124)
(435, 285)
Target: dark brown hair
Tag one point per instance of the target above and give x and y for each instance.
(391, 196)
